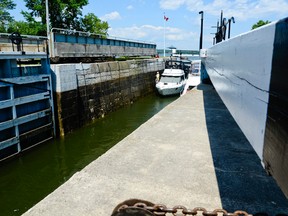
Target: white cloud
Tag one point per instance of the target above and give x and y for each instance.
(241, 9)
(155, 34)
(111, 16)
(171, 4)
(134, 32)
(130, 7)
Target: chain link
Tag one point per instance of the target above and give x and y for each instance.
(179, 210)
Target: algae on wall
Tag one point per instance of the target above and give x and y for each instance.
(85, 92)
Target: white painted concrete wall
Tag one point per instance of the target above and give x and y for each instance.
(240, 70)
(67, 77)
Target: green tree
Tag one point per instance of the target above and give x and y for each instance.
(5, 17)
(62, 13)
(27, 28)
(91, 23)
(260, 23)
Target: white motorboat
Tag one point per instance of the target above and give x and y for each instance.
(194, 78)
(172, 80)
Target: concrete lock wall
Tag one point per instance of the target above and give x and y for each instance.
(240, 70)
(250, 75)
(84, 92)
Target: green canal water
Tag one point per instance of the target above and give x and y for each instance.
(28, 178)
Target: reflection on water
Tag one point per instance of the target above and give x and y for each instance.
(27, 179)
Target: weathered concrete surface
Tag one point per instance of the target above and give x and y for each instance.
(169, 160)
(85, 92)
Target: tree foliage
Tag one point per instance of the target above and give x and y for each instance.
(5, 6)
(91, 23)
(9, 25)
(5, 17)
(64, 14)
(260, 23)
(27, 28)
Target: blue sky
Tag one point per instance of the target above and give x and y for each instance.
(144, 19)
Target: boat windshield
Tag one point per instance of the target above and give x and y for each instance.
(171, 79)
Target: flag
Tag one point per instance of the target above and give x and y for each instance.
(166, 18)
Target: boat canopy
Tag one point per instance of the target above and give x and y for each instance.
(173, 72)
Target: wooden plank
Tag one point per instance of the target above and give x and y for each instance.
(37, 130)
(3, 85)
(19, 55)
(9, 142)
(24, 119)
(40, 142)
(23, 100)
(27, 79)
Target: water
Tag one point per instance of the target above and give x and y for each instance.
(27, 179)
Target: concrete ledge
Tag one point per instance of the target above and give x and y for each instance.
(179, 156)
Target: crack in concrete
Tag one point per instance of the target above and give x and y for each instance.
(243, 79)
(223, 75)
(254, 86)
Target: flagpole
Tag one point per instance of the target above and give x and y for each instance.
(164, 35)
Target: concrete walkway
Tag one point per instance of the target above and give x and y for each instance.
(191, 153)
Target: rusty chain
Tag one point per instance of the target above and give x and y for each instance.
(140, 208)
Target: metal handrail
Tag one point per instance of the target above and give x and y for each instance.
(88, 34)
(33, 37)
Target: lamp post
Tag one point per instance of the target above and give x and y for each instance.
(47, 19)
(47, 27)
(201, 31)
(229, 25)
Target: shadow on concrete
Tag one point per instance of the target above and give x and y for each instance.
(243, 183)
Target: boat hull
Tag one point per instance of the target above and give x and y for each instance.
(165, 91)
(172, 80)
